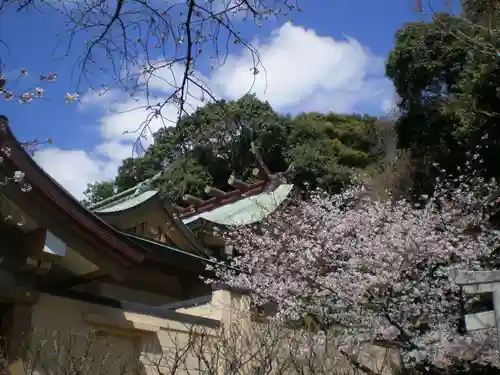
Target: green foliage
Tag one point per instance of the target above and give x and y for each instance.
(98, 191)
(177, 182)
(448, 86)
(215, 142)
(326, 149)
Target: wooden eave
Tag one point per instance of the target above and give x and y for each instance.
(172, 258)
(169, 258)
(52, 206)
(130, 215)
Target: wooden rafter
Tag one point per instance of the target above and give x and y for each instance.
(217, 198)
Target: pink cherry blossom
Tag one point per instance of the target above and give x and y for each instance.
(71, 97)
(378, 269)
(51, 77)
(26, 97)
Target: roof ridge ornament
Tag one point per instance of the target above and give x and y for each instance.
(262, 170)
(268, 183)
(147, 184)
(273, 180)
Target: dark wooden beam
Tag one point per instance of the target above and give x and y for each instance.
(183, 229)
(43, 212)
(237, 183)
(214, 192)
(193, 201)
(64, 283)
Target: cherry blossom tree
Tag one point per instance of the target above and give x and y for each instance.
(378, 270)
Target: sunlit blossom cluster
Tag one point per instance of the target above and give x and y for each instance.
(378, 269)
(71, 97)
(28, 96)
(18, 178)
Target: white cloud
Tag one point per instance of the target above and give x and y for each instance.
(99, 98)
(73, 169)
(303, 72)
(115, 151)
(302, 68)
(127, 116)
(126, 121)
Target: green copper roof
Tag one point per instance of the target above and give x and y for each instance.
(128, 198)
(127, 202)
(246, 211)
(242, 212)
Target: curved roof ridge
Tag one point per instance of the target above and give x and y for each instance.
(139, 188)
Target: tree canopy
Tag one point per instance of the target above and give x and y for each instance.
(215, 141)
(98, 191)
(447, 81)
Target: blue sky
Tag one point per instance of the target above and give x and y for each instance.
(330, 58)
